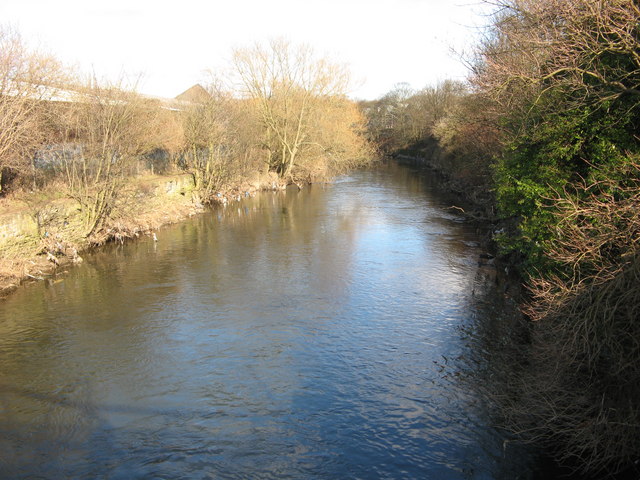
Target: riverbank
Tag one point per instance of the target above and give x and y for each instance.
(40, 233)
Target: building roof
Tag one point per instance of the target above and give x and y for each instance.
(195, 94)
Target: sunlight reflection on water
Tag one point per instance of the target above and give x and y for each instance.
(312, 334)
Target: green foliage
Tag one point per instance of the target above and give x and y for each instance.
(555, 153)
(563, 78)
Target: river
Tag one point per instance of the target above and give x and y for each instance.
(322, 333)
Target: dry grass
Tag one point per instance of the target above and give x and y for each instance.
(579, 387)
(44, 231)
(144, 205)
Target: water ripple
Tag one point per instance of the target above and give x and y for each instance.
(310, 335)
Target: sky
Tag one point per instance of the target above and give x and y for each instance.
(166, 47)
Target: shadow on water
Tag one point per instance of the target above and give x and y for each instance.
(328, 333)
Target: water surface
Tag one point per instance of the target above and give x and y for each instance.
(312, 334)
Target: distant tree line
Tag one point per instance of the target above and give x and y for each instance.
(551, 120)
(283, 111)
(444, 124)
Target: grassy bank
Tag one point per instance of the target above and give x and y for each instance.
(41, 232)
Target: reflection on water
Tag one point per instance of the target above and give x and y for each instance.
(312, 334)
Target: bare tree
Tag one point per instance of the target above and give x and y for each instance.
(27, 80)
(288, 86)
(211, 142)
(403, 117)
(106, 128)
(339, 141)
(589, 48)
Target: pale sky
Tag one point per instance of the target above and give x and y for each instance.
(170, 45)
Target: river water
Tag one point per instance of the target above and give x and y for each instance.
(321, 333)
